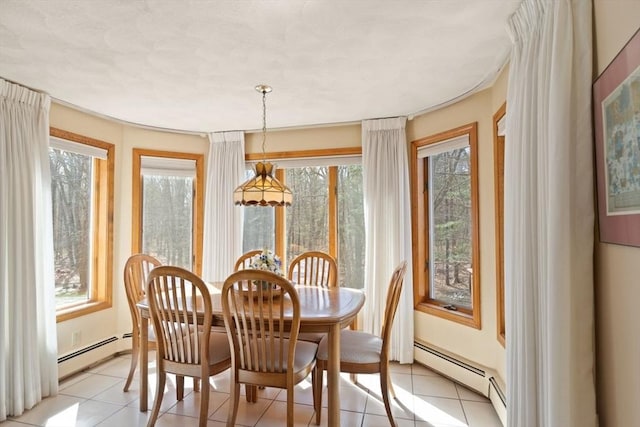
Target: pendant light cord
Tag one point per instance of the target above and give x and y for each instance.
(264, 123)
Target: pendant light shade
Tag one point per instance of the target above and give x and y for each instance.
(263, 189)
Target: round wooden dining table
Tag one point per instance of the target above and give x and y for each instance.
(322, 309)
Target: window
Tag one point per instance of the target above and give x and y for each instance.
(327, 213)
(445, 225)
(167, 207)
(82, 202)
(498, 157)
(307, 220)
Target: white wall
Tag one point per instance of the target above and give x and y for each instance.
(617, 291)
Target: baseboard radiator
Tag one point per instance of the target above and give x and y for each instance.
(483, 380)
(85, 357)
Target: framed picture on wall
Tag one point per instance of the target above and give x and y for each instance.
(616, 104)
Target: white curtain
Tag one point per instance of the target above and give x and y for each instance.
(549, 217)
(222, 219)
(28, 345)
(387, 216)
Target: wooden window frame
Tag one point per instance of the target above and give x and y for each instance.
(198, 200)
(280, 218)
(101, 287)
(420, 228)
(498, 160)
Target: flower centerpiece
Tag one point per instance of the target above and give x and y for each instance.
(267, 260)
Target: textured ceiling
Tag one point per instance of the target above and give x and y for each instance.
(192, 65)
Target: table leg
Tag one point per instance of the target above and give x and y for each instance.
(144, 362)
(333, 376)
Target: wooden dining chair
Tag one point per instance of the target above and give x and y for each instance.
(314, 268)
(244, 261)
(136, 272)
(185, 346)
(364, 353)
(254, 305)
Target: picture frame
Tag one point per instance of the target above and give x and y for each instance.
(616, 113)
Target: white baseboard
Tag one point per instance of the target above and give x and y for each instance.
(479, 378)
(85, 357)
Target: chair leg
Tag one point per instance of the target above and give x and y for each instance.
(316, 382)
(179, 387)
(233, 403)
(204, 406)
(135, 352)
(251, 392)
(290, 398)
(162, 377)
(386, 385)
(196, 384)
(392, 391)
(354, 378)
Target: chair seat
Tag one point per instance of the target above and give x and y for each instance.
(305, 355)
(355, 347)
(219, 350)
(218, 347)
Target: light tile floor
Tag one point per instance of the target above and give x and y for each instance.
(95, 398)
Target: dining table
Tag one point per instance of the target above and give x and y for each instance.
(322, 309)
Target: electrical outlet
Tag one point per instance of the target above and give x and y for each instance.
(75, 338)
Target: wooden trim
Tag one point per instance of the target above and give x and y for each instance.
(333, 211)
(475, 223)
(198, 200)
(198, 215)
(417, 225)
(103, 220)
(331, 152)
(419, 206)
(498, 178)
(70, 136)
(136, 202)
(76, 311)
(280, 226)
(101, 286)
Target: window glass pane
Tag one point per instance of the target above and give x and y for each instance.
(307, 217)
(351, 241)
(71, 185)
(259, 228)
(259, 225)
(450, 227)
(167, 219)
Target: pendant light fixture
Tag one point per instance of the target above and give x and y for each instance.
(263, 189)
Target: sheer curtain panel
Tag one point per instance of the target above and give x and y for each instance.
(28, 345)
(549, 217)
(222, 219)
(387, 216)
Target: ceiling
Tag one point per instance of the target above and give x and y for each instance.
(192, 65)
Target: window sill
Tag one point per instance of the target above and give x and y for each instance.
(454, 316)
(80, 310)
